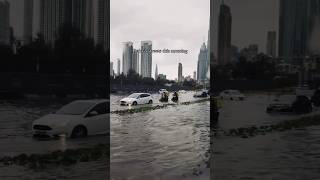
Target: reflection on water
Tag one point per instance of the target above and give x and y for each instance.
(286, 155)
(167, 143)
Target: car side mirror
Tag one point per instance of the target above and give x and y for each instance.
(92, 113)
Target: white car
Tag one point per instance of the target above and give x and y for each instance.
(231, 95)
(76, 119)
(137, 98)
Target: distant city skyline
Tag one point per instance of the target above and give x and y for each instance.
(92, 26)
(161, 23)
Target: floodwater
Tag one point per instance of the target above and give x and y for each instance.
(16, 138)
(291, 154)
(165, 144)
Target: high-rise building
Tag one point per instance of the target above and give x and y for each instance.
(224, 35)
(4, 22)
(146, 59)
(52, 16)
(194, 75)
(180, 77)
(102, 24)
(271, 43)
(135, 60)
(118, 67)
(203, 64)
(111, 69)
(78, 13)
(156, 73)
(28, 21)
(127, 57)
(296, 22)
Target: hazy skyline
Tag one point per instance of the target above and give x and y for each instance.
(251, 20)
(179, 24)
(174, 25)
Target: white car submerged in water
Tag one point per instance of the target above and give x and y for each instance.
(76, 119)
(137, 98)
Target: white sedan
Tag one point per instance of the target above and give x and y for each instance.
(231, 95)
(137, 98)
(76, 119)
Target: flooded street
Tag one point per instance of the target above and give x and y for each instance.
(16, 138)
(292, 154)
(166, 144)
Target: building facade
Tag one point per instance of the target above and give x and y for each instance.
(135, 61)
(203, 64)
(271, 43)
(146, 59)
(180, 77)
(127, 57)
(28, 21)
(296, 22)
(224, 35)
(4, 22)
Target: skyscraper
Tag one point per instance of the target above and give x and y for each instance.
(118, 67)
(4, 22)
(146, 58)
(78, 17)
(102, 24)
(296, 22)
(111, 68)
(127, 56)
(28, 20)
(156, 73)
(224, 35)
(54, 13)
(203, 64)
(180, 78)
(271, 43)
(135, 60)
(52, 16)
(194, 75)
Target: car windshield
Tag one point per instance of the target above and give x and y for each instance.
(75, 108)
(135, 95)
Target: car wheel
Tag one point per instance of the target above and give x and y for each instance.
(79, 132)
(134, 103)
(150, 102)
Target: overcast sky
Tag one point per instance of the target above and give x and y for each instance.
(171, 24)
(251, 20)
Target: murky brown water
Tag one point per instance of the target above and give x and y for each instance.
(161, 144)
